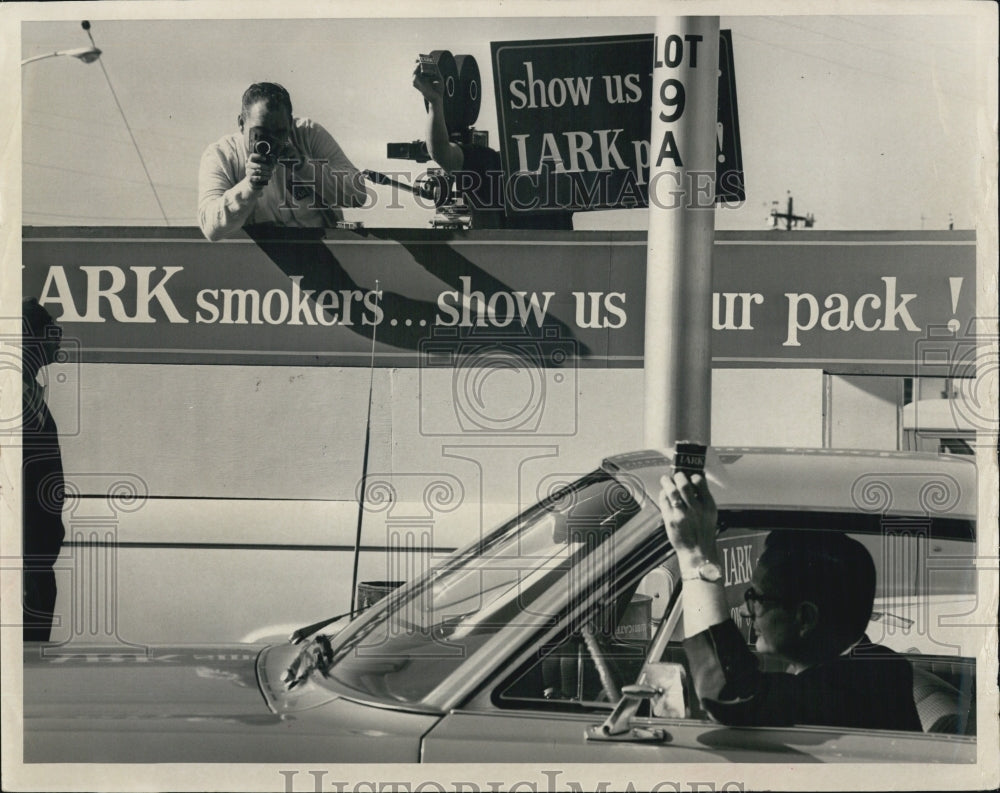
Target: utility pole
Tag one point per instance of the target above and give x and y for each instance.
(678, 361)
(790, 218)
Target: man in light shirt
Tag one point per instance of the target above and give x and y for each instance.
(278, 170)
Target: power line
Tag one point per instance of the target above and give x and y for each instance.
(94, 134)
(103, 138)
(962, 73)
(844, 65)
(129, 128)
(101, 175)
(895, 34)
(76, 133)
(80, 217)
(148, 130)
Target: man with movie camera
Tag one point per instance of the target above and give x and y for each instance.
(479, 177)
(810, 601)
(278, 169)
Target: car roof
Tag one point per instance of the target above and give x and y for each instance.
(832, 480)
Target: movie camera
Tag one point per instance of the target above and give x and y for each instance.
(461, 87)
(260, 143)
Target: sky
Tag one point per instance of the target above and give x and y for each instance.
(869, 122)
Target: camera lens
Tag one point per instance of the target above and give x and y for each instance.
(262, 147)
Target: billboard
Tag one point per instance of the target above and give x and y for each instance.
(574, 118)
(844, 302)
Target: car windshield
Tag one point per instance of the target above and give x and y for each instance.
(402, 652)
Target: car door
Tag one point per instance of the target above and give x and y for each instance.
(516, 717)
(551, 701)
(483, 732)
(528, 737)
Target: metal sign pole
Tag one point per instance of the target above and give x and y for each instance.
(682, 157)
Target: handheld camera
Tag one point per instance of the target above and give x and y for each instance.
(261, 144)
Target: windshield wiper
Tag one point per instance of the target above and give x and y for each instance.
(302, 633)
(318, 654)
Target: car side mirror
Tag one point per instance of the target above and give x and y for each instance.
(663, 684)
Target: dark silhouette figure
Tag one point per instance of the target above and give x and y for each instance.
(42, 474)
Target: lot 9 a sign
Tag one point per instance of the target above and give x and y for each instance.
(574, 120)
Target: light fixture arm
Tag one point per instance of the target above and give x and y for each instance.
(85, 54)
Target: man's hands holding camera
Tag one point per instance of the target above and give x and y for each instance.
(260, 169)
(262, 158)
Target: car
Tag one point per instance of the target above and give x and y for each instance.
(553, 638)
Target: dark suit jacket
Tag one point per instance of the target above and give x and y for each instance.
(871, 687)
(42, 481)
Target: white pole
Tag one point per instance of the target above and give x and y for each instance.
(682, 152)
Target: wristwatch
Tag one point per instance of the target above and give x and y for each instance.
(707, 571)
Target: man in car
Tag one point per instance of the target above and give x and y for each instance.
(299, 178)
(810, 602)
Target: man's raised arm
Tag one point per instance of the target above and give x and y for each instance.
(224, 203)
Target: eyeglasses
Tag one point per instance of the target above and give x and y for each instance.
(750, 595)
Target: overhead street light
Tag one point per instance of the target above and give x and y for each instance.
(89, 55)
(85, 54)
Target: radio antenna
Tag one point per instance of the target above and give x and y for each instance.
(364, 465)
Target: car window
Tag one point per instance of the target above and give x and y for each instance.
(405, 651)
(570, 675)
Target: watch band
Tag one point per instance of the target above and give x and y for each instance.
(706, 571)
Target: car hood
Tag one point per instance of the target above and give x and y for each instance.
(189, 704)
(162, 681)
